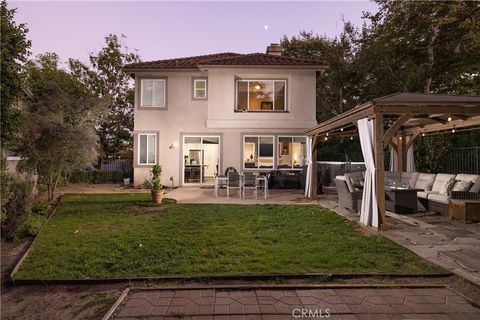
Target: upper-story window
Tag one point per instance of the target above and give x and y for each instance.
(153, 93)
(261, 95)
(200, 89)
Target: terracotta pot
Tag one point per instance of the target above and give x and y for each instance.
(157, 196)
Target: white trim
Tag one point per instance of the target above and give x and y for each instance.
(195, 89)
(279, 151)
(164, 92)
(201, 166)
(258, 151)
(139, 145)
(285, 108)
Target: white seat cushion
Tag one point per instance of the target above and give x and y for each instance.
(425, 194)
(440, 181)
(353, 176)
(437, 197)
(425, 181)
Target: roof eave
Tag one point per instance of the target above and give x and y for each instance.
(262, 66)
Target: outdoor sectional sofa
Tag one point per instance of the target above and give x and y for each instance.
(435, 189)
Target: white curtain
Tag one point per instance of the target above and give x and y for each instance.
(369, 210)
(410, 158)
(393, 160)
(308, 180)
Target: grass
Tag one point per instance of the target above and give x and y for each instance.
(121, 235)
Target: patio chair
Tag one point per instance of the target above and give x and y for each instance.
(233, 183)
(262, 185)
(250, 183)
(347, 199)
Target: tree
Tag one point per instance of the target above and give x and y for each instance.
(105, 78)
(431, 47)
(61, 116)
(336, 89)
(14, 52)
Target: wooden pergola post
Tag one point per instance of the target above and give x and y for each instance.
(313, 179)
(401, 152)
(379, 167)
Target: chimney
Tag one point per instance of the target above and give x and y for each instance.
(275, 49)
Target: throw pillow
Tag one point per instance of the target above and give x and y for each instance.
(461, 185)
(447, 186)
(475, 188)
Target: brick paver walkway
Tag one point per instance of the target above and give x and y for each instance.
(343, 303)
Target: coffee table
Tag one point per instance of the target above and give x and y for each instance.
(401, 200)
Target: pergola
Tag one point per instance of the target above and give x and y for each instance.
(396, 117)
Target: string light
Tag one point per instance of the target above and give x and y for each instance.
(453, 130)
(449, 118)
(423, 134)
(351, 138)
(341, 129)
(327, 134)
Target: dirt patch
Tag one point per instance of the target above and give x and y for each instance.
(44, 302)
(365, 231)
(140, 209)
(10, 253)
(302, 200)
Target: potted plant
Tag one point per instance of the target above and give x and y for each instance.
(154, 184)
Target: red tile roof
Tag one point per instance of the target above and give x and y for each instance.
(264, 59)
(226, 59)
(179, 63)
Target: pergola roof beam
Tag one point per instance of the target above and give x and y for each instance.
(454, 124)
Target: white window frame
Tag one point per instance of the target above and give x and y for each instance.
(279, 151)
(138, 150)
(164, 93)
(195, 89)
(285, 107)
(258, 151)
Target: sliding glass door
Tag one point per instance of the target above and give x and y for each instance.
(201, 159)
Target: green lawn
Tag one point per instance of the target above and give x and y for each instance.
(119, 235)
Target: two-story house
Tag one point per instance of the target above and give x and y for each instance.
(197, 116)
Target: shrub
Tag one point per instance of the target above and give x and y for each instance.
(154, 182)
(17, 206)
(40, 208)
(31, 227)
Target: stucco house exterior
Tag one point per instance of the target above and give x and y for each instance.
(197, 116)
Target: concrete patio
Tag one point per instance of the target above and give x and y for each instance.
(206, 195)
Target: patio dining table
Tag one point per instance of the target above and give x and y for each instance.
(261, 181)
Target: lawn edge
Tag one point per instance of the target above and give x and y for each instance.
(117, 304)
(19, 263)
(304, 276)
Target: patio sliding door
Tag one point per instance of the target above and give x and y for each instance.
(201, 159)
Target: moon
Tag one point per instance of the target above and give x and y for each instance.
(266, 27)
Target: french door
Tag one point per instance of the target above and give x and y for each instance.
(201, 159)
